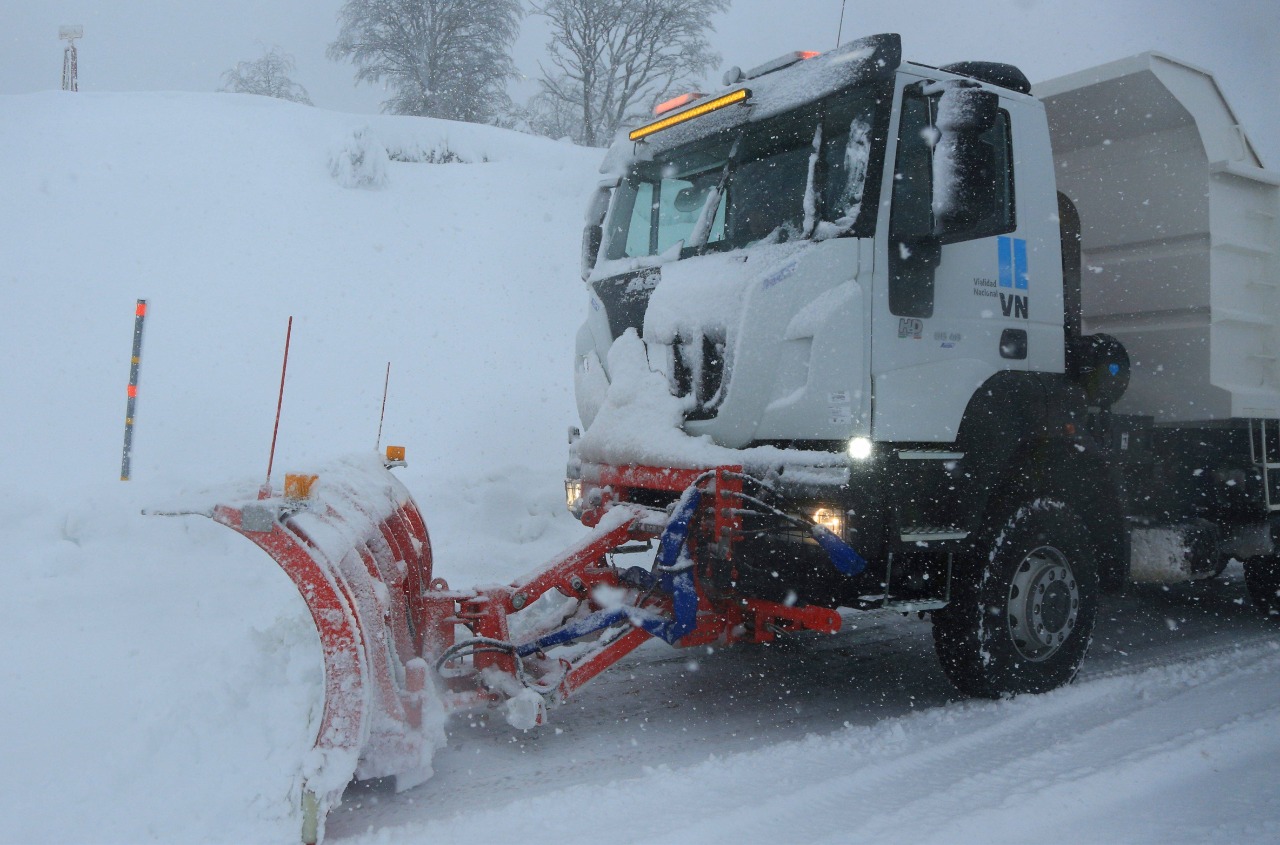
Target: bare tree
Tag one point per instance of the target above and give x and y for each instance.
(268, 76)
(549, 116)
(613, 59)
(441, 58)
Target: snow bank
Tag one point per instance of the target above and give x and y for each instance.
(161, 681)
(161, 676)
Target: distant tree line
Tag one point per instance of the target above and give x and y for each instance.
(268, 75)
(608, 61)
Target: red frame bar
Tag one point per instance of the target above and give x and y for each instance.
(581, 561)
(368, 709)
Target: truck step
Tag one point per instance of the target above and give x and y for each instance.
(929, 455)
(1264, 450)
(1245, 248)
(914, 605)
(930, 533)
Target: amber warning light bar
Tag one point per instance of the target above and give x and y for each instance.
(690, 113)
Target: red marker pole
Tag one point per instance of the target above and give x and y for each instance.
(377, 447)
(140, 314)
(264, 492)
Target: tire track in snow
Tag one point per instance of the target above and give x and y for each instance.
(803, 789)
(872, 783)
(919, 774)
(1118, 737)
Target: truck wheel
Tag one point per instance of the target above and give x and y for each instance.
(1262, 580)
(1022, 606)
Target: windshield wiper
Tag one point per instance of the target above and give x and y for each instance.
(702, 229)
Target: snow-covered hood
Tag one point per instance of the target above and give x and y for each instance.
(707, 293)
(768, 343)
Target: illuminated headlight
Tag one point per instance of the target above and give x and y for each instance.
(830, 519)
(860, 448)
(573, 496)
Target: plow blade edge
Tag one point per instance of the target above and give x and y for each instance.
(358, 552)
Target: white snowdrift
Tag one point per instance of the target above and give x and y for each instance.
(161, 677)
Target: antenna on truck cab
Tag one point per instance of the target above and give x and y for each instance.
(840, 28)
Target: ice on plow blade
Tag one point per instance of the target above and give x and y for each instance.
(356, 547)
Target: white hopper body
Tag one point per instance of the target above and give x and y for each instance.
(1180, 236)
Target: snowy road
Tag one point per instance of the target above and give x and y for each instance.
(1169, 736)
(161, 677)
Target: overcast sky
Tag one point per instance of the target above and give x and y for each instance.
(145, 45)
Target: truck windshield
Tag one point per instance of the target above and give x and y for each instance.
(800, 175)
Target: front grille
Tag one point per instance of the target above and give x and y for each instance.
(697, 371)
(659, 499)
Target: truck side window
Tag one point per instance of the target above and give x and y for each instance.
(913, 249)
(640, 228)
(912, 213)
(915, 238)
(680, 204)
(991, 211)
(993, 206)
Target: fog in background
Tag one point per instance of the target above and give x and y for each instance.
(150, 45)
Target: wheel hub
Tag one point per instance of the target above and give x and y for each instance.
(1044, 603)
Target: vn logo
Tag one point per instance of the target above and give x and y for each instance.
(1013, 274)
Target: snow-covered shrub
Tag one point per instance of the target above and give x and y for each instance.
(418, 153)
(360, 161)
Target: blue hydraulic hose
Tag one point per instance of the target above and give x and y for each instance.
(843, 556)
(675, 568)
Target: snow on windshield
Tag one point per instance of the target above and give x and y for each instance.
(845, 194)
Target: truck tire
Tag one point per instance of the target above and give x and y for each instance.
(1262, 580)
(1022, 605)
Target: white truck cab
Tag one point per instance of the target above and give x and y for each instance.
(899, 298)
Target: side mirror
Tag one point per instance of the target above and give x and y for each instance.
(593, 234)
(591, 238)
(964, 167)
(967, 111)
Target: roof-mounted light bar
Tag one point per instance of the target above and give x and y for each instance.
(699, 110)
(676, 102)
(783, 61)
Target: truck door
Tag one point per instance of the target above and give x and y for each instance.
(950, 304)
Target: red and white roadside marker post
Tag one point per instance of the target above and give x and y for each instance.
(140, 315)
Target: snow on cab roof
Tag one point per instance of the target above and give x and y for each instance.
(771, 94)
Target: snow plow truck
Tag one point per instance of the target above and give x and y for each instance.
(862, 334)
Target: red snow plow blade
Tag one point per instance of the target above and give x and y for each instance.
(401, 649)
(355, 545)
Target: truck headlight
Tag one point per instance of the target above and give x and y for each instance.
(860, 448)
(830, 519)
(573, 496)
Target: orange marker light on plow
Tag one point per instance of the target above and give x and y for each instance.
(298, 486)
